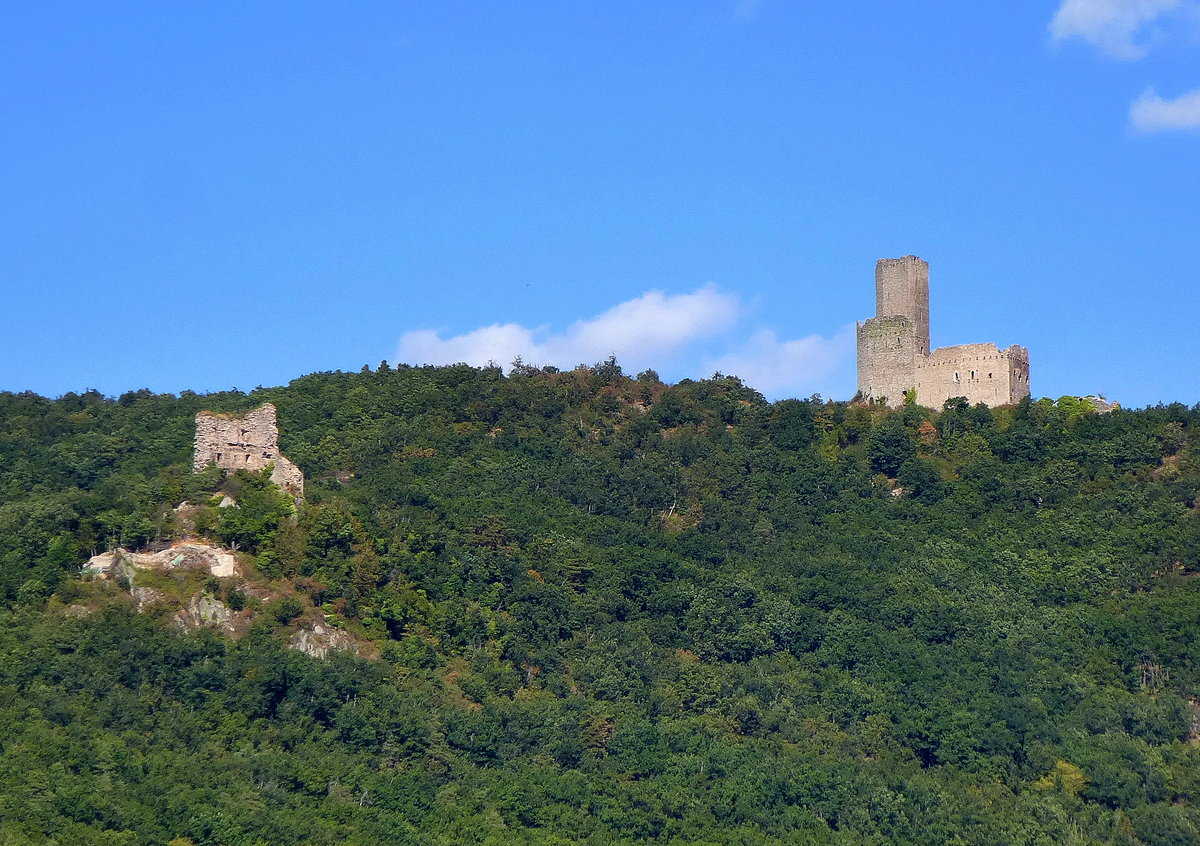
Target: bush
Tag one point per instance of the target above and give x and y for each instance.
(889, 446)
(285, 610)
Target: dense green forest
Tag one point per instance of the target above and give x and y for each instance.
(605, 610)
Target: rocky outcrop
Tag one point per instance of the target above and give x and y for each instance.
(188, 555)
(204, 611)
(247, 441)
(312, 634)
(318, 639)
(1100, 404)
(145, 597)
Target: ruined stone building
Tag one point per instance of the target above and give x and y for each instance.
(894, 355)
(247, 441)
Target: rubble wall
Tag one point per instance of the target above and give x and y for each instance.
(247, 441)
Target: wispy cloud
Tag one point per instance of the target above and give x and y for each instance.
(1120, 28)
(1152, 113)
(635, 331)
(1126, 29)
(662, 331)
(800, 367)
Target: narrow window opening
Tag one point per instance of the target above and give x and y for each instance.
(957, 378)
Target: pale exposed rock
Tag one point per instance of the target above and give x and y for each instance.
(247, 441)
(318, 639)
(101, 565)
(1100, 404)
(203, 610)
(187, 555)
(227, 502)
(146, 596)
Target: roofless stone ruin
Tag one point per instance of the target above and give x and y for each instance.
(247, 441)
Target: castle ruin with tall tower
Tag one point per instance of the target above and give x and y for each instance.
(894, 355)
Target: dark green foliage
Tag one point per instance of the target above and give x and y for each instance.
(261, 508)
(608, 610)
(920, 479)
(285, 610)
(890, 446)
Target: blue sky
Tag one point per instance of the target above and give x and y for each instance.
(204, 196)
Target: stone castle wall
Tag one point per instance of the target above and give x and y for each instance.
(980, 372)
(247, 441)
(894, 355)
(887, 357)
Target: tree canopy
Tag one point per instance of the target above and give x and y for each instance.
(611, 610)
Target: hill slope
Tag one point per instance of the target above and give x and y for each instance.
(608, 610)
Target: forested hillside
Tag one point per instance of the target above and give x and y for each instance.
(606, 610)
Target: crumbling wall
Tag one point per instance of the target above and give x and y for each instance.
(1018, 364)
(247, 441)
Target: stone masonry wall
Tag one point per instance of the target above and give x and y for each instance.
(887, 357)
(247, 441)
(979, 372)
(902, 287)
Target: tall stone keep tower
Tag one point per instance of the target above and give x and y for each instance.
(891, 343)
(902, 289)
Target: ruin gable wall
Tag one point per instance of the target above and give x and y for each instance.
(247, 441)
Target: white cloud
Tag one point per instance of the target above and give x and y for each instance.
(800, 367)
(1115, 26)
(1151, 113)
(654, 324)
(665, 332)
